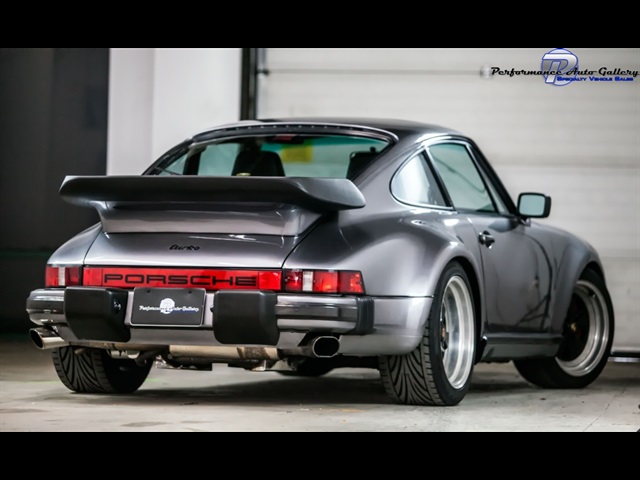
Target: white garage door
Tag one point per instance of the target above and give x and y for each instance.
(580, 142)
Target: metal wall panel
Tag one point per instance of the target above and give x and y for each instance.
(53, 123)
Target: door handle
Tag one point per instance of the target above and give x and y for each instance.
(486, 239)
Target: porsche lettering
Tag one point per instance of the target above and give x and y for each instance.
(136, 279)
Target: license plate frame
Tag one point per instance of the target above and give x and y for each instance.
(168, 307)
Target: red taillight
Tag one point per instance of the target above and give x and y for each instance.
(293, 280)
(62, 276)
(316, 281)
(323, 281)
(351, 282)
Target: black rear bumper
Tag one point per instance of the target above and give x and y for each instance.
(234, 317)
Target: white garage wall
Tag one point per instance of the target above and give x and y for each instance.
(579, 143)
(130, 110)
(160, 96)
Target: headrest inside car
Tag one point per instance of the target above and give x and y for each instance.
(359, 160)
(258, 164)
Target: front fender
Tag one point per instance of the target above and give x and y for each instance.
(573, 260)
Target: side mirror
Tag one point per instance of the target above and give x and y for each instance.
(534, 205)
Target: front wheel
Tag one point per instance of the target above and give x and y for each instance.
(587, 339)
(92, 370)
(438, 371)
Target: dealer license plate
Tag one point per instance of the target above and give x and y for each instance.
(168, 307)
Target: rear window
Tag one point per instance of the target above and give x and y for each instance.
(290, 155)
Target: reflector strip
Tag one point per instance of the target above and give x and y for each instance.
(209, 279)
(307, 281)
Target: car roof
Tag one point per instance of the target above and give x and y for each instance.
(398, 127)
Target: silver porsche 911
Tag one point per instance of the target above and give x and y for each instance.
(305, 245)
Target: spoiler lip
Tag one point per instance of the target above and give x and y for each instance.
(314, 194)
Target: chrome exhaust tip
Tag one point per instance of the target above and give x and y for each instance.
(46, 339)
(324, 347)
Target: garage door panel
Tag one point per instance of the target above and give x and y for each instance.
(516, 120)
(624, 284)
(579, 143)
(582, 205)
(308, 61)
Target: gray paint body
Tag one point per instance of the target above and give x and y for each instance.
(523, 283)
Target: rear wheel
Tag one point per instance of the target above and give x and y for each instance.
(92, 370)
(438, 371)
(587, 339)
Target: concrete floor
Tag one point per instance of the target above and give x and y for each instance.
(33, 399)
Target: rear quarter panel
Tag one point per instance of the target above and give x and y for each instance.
(400, 253)
(74, 251)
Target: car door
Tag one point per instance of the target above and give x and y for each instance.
(516, 267)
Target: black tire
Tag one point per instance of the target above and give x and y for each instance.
(92, 370)
(426, 376)
(588, 335)
(310, 367)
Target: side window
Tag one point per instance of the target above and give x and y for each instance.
(415, 184)
(176, 167)
(214, 160)
(217, 160)
(461, 177)
(498, 202)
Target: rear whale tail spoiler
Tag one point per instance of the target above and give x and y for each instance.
(321, 195)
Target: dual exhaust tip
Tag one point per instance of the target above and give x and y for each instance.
(46, 339)
(323, 346)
